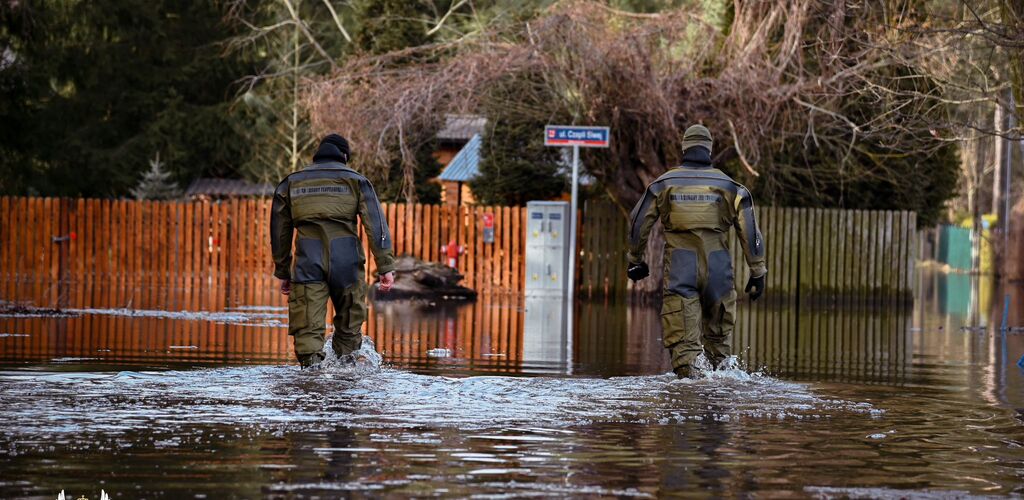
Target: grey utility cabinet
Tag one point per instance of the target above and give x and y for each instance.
(547, 265)
(547, 248)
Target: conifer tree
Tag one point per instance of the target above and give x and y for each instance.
(156, 184)
(515, 165)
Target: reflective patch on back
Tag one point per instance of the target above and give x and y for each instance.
(682, 275)
(696, 207)
(309, 260)
(696, 198)
(345, 262)
(297, 192)
(720, 278)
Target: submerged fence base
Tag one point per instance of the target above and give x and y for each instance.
(209, 256)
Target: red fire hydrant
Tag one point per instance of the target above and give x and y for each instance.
(453, 250)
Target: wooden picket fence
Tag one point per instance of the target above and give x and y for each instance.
(812, 253)
(826, 255)
(208, 256)
(602, 259)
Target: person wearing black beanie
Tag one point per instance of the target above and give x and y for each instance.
(328, 152)
(339, 142)
(321, 207)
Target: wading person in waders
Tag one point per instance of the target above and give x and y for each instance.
(321, 203)
(697, 204)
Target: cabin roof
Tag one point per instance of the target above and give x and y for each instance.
(223, 188)
(466, 163)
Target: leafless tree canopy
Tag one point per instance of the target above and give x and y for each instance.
(779, 77)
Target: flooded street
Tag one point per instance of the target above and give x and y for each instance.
(491, 400)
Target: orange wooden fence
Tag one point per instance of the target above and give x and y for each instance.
(208, 256)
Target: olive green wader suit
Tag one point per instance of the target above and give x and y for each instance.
(697, 204)
(321, 204)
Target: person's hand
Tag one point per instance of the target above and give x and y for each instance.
(286, 287)
(637, 271)
(387, 281)
(755, 286)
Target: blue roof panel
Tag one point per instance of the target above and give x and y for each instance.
(466, 163)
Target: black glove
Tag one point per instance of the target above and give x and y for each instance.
(755, 286)
(637, 271)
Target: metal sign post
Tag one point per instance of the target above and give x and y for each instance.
(587, 137)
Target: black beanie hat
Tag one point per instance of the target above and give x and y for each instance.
(328, 152)
(339, 142)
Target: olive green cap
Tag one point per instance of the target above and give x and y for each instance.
(697, 135)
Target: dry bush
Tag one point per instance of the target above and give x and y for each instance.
(781, 75)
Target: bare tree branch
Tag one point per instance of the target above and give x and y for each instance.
(337, 21)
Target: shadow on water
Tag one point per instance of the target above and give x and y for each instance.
(856, 401)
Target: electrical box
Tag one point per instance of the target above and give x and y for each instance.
(547, 248)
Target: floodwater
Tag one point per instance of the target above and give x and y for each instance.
(494, 400)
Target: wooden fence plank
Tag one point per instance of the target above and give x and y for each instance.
(100, 238)
(187, 252)
(419, 236)
(52, 253)
(167, 263)
(7, 287)
(120, 250)
(506, 256)
(143, 254)
(466, 263)
(7, 206)
(41, 235)
(429, 233)
(23, 247)
(909, 235)
(84, 260)
(98, 253)
(150, 254)
(196, 214)
(109, 255)
(117, 230)
(89, 254)
(251, 249)
(33, 236)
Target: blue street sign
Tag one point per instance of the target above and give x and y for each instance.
(568, 135)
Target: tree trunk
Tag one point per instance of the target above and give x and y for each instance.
(999, 163)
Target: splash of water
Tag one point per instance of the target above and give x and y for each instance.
(361, 362)
(730, 368)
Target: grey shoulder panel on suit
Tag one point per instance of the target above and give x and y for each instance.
(325, 173)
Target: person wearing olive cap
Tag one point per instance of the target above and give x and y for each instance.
(697, 205)
(320, 206)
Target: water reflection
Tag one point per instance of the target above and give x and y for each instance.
(119, 337)
(823, 339)
(546, 341)
(482, 336)
(839, 398)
